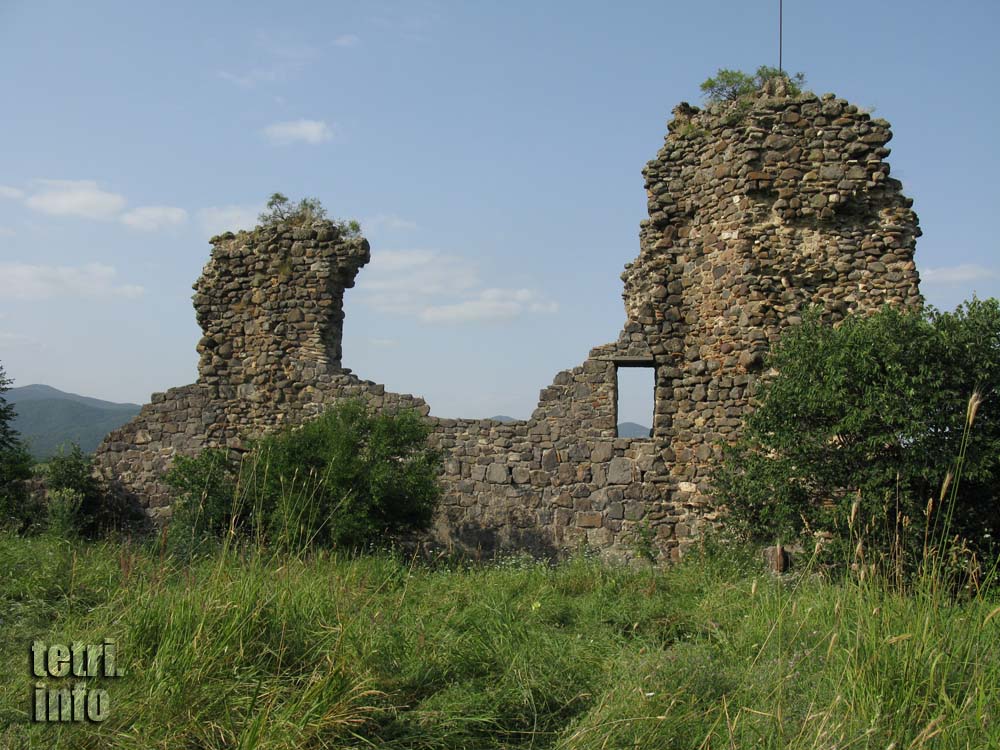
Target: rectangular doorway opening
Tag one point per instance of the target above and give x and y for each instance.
(635, 400)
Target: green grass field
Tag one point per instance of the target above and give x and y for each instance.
(244, 650)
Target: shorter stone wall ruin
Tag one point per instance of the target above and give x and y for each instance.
(754, 213)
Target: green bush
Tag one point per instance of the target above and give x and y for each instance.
(731, 85)
(347, 479)
(204, 488)
(72, 470)
(63, 512)
(873, 414)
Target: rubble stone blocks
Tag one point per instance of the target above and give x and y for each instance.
(754, 213)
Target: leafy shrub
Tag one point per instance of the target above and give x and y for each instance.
(347, 479)
(96, 512)
(731, 85)
(873, 414)
(63, 511)
(205, 490)
(281, 210)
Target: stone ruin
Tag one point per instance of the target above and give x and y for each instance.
(755, 212)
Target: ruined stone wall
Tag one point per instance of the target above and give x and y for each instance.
(755, 210)
(270, 305)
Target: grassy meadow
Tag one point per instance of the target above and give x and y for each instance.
(245, 649)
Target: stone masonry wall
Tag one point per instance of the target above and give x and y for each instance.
(755, 211)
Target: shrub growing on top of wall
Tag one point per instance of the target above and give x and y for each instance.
(348, 479)
(873, 414)
(730, 85)
(280, 210)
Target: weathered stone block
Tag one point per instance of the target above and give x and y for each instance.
(620, 471)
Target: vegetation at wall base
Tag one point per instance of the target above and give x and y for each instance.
(96, 512)
(860, 428)
(347, 479)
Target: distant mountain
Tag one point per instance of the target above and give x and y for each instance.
(48, 418)
(632, 430)
(502, 418)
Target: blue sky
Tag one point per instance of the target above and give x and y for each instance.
(491, 151)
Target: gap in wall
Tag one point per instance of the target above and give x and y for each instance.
(636, 398)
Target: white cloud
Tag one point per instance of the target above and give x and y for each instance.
(299, 131)
(94, 280)
(438, 288)
(86, 199)
(8, 337)
(249, 79)
(282, 55)
(404, 280)
(960, 274)
(347, 40)
(388, 261)
(489, 304)
(218, 219)
(151, 218)
(389, 222)
(75, 198)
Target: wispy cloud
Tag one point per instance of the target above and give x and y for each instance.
(81, 198)
(249, 79)
(490, 304)
(387, 222)
(437, 288)
(9, 337)
(218, 219)
(299, 131)
(280, 58)
(402, 280)
(6, 191)
(152, 218)
(383, 343)
(960, 274)
(7, 232)
(25, 281)
(347, 40)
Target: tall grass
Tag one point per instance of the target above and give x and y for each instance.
(252, 645)
(245, 649)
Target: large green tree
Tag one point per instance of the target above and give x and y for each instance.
(8, 436)
(862, 424)
(15, 468)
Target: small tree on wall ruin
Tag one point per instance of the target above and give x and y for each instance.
(280, 210)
